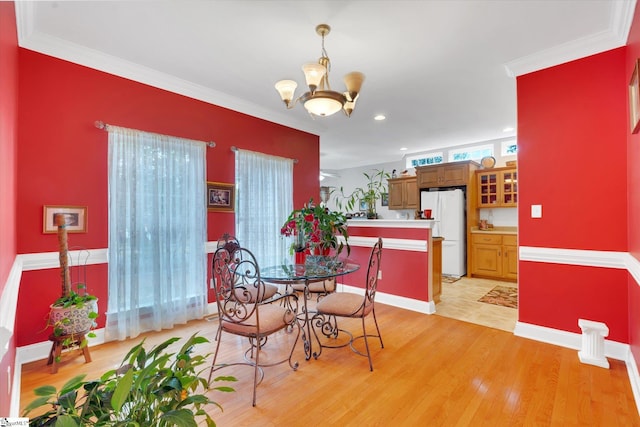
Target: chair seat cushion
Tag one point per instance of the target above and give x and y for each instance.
(269, 291)
(321, 286)
(344, 304)
(273, 317)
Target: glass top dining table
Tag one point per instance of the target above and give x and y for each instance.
(297, 273)
(306, 273)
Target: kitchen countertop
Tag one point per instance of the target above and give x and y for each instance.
(496, 230)
(391, 223)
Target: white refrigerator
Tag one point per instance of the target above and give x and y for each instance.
(448, 211)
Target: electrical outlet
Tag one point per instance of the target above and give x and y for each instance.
(212, 283)
(379, 274)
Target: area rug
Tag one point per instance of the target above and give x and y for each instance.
(450, 279)
(504, 296)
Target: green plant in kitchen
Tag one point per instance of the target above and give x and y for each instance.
(150, 388)
(75, 311)
(316, 228)
(369, 194)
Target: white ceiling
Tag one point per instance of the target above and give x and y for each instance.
(441, 71)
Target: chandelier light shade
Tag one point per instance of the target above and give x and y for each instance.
(320, 100)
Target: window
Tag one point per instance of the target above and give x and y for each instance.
(265, 200)
(509, 148)
(157, 232)
(470, 153)
(432, 158)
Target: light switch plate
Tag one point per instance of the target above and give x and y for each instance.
(536, 211)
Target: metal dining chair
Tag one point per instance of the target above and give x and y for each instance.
(237, 283)
(231, 243)
(346, 304)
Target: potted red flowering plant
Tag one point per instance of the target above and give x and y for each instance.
(316, 230)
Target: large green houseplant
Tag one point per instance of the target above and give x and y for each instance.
(369, 194)
(151, 388)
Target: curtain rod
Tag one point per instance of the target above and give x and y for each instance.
(102, 125)
(234, 148)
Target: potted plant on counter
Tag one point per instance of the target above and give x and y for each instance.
(315, 229)
(370, 194)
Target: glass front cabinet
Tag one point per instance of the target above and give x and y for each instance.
(497, 188)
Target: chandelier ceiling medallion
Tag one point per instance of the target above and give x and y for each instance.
(320, 100)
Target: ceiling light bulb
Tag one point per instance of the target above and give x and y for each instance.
(379, 117)
(286, 89)
(322, 106)
(313, 73)
(353, 82)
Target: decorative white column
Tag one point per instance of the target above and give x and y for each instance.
(593, 334)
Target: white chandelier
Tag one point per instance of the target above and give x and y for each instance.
(320, 100)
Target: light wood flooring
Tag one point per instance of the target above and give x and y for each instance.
(459, 300)
(432, 371)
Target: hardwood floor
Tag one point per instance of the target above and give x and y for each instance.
(459, 300)
(433, 371)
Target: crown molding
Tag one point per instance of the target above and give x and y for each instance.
(30, 39)
(615, 36)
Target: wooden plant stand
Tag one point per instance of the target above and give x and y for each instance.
(75, 340)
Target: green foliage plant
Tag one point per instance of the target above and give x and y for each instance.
(374, 189)
(150, 389)
(316, 229)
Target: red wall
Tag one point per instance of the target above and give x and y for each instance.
(63, 159)
(572, 127)
(633, 183)
(8, 144)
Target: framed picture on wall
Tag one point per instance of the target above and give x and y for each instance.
(75, 218)
(385, 199)
(634, 99)
(363, 205)
(220, 197)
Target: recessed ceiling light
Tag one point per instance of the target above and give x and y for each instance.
(403, 149)
(379, 117)
(507, 129)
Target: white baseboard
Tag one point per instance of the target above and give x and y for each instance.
(572, 340)
(40, 350)
(426, 307)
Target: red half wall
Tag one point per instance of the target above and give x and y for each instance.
(63, 159)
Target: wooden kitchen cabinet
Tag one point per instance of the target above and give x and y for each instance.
(497, 188)
(436, 281)
(444, 175)
(403, 193)
(509, 257)
(494, 256)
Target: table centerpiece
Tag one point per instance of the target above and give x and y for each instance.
(315, 229)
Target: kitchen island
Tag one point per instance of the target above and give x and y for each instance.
(407, 269)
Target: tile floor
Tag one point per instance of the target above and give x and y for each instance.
(459, 300)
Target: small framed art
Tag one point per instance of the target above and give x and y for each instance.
(75, 218)
(634, 99)
(385, 199)
(220, 197)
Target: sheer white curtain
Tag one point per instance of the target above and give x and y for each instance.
(264, 201)
(157, 232)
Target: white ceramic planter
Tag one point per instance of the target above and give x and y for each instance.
(79, 320)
